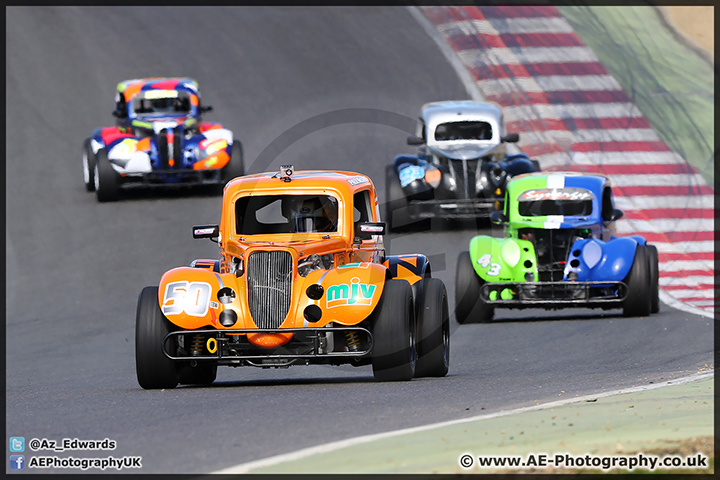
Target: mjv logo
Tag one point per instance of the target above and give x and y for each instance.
(354, 294)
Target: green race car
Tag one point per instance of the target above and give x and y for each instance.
(559, 251)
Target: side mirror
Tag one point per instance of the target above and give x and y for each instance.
(207, 108)
(366, 230)
(207, 231)
(511, 138)
(615, 215)
(415, 140)
(497, 217)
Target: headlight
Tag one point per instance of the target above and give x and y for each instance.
(315, 291)
(226, 295)
(433, 176)
(228, 318)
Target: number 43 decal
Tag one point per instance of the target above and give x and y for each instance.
(484, 262)
(193, 298)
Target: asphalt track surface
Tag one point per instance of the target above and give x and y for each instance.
(334, 88)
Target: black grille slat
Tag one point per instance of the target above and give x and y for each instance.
(464, 171)
(552, 248)
(163, 150)
(269, 287)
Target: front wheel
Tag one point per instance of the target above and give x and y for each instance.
(106, 179)
(201, 374)
(469, 306)
(396, 203)
(393, 353)
(433, 330)
(235, 168)
(154, 370)
(88, 165)
(652, 257)
(638, 302)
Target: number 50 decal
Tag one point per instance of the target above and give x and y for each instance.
(193, 298)
(484, 262)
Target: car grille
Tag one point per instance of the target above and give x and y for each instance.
(463, 171)
(466, 174)
(270, 276)
(552, 248)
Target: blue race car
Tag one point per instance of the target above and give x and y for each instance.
(559, 251)
(159, 140)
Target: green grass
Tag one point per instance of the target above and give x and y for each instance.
(671, 83)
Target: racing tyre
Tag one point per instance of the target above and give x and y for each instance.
(106, 179)
(396, 215)
(433, 331)
(88, 165)
(652, 258)
(154, 370)
(235, 168)
(201, 374)
(469, 307)
(393, 354)
(638, 302)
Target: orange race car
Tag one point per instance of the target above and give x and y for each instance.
(302, 279)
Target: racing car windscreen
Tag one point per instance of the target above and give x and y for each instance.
(463, 131)
(273, 214)
(555, 201)
(161, 102)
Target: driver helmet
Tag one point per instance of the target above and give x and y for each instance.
(311, 213)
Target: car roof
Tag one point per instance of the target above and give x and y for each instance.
(347, 183)
(130, 88)
(460, 110)
(592, 182)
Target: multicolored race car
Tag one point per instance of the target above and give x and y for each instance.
(159, 140)
(302, 278)
(461, 167)
(559, 251)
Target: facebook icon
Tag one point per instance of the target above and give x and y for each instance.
(17, 462)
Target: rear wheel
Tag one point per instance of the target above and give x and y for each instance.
(393, 353)
(652, 258)
(638, 302)
(433, 330)
(236, 167)
(469, 306)
(154, 370)
(106, 179)
(88, 165)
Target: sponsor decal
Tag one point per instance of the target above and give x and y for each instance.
(204, 231)
(355, 265)
(357, 180)
(160, 94)
(126, 147)
(212, 145)
(555, 194)
(409, 174)
(355, 293)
